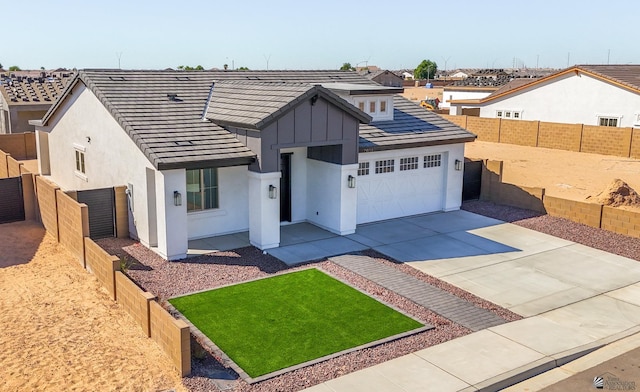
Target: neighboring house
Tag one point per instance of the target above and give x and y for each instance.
(216, 152)
(383, 77)
(451, 93)
(27, 95)
(606, 95)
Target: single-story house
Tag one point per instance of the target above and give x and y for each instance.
(454, 93)
(208, 153)
(383, 77)
(605, 95)
(27, 95)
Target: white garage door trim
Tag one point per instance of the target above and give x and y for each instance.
(393, 187)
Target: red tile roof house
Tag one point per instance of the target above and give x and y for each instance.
(217, 152)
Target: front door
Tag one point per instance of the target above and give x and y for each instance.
(285, 187)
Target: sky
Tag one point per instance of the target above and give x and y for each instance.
(277, 34)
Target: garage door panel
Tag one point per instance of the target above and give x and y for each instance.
(400, 193)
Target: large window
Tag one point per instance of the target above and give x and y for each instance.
(202, 189)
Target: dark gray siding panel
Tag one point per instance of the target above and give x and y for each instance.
(319, 120)
(270, 158)
(303, 123)
(334, 123)
(331, 154)
(286, 127)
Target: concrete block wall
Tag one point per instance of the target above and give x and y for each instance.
(4, 169)
(73, 224)
(134, 300)
(173, 336)
(621, 221)
(582, 212)
(606, 140)
(47, 205)
(493, 189)
(487, 129)
(102, 265)
(633, 153)
(19, 145)
(14, 167)
(460, 121)
(560, 136)
(524, 133)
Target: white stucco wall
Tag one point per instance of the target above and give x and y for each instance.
(111, 157)
(172, 219)
(233, 214)
(571, 99)
(451, 95)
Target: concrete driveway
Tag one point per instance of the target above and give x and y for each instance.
(575, 299)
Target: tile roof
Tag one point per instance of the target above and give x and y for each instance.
(32, 87)
(628, 75)
(412, 126)
(515, 83)
(163, 112)
(255, 105)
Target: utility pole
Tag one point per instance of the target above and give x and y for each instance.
(119, 55)
(608, 54)
(445, 67)
(267, 59)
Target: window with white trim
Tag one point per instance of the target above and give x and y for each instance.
(516, 114)
(202, 189)
(408, 163)
(507, 114)
(385, 166)
(80, 168)
(383, 106)
(361, 105)
(499, 113)
(608, 121)
(372, 106)
(363, 168)
(434, 160)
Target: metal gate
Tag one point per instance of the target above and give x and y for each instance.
(472, 180)
(101, 211)
(11, 200)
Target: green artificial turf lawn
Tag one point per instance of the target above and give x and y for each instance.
(274, 323)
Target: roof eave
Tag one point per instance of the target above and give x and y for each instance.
(208, 163)
(401, 146)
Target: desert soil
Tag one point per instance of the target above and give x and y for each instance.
(61, 331)
(566, 174)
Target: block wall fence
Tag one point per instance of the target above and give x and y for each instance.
(617, 220)
(622, 142)
(67, 221)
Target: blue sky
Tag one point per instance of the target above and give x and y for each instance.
(319, 35)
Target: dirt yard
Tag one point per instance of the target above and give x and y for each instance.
(566, 174)
(60, 330)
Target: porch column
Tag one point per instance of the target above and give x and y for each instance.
(264, 212)
(348, 200)
(172, 219)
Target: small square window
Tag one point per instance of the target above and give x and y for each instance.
(383, 106)
(516, 115)
(372, 107)
(408, 163)
(385, 166)
(507, 114)
(363, 169)
(499, 113)
(433, 160)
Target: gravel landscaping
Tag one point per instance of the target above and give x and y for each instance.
(167, 279)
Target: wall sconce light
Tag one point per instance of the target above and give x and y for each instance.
(458, 164)
(177, 198)
(351, 181)
(273, 192)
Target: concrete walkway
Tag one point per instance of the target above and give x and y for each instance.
(576, 300)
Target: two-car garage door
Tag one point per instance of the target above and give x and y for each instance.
(400, 186)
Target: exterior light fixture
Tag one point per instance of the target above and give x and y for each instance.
(273, 192)
(458, 164)
(177, 198)
(351, 181)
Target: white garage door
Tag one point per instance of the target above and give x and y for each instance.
(392, 188)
